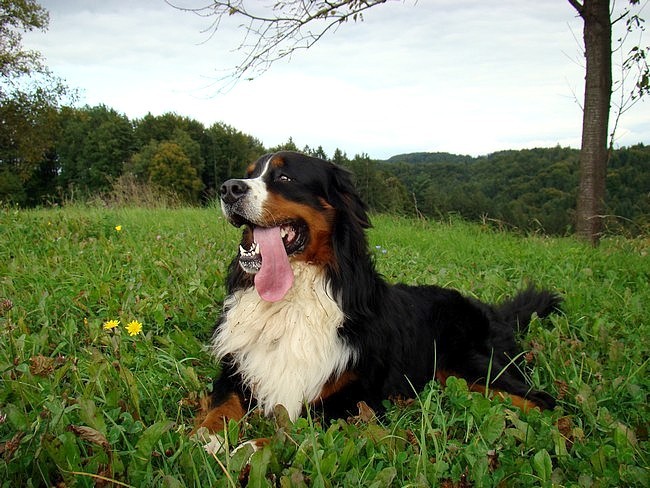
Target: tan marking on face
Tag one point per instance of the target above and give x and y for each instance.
(277, 162)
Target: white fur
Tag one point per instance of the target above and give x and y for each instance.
(255, 197)
(287, 350)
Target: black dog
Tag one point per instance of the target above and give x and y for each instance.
(308, 320)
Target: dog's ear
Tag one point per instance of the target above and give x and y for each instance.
(352, 276)
(343, 196)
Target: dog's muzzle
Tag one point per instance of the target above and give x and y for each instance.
(234, 204)
(233, 190)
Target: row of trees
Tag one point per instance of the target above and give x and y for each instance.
(92, 147)
(50, 150)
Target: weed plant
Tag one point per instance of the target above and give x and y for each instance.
(85, 405)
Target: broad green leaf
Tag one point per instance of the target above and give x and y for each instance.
(132, 389)
(64, 451)
(492, 428)
(143, 449)
(90, 416)
(384, 478)
(328, 464)
(543, 466)
(259, 463)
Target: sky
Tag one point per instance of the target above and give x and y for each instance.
(459, 76)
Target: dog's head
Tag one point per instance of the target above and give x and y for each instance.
(294, 208)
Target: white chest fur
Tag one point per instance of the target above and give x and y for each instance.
(287, 350)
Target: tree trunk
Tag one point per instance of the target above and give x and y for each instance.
(594, 151)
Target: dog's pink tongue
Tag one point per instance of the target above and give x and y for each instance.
(274, 279)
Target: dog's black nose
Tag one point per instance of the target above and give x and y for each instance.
(233, 190)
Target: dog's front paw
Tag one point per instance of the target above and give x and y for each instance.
(216, 444)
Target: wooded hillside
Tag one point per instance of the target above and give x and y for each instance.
(528, 189)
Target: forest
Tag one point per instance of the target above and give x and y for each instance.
(93, 152)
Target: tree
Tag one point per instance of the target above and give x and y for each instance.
(597, 35)
(29, 99)
(172, 169)
(319, 152)
(216, 154)
(187, 133)
(298, 24)
(93, 146)
(16, 17)
(382, 192)
(168, 165)
(28, 129)
(595, 150)
(228, 153)
(164, 128)
(340, 157)
(285, 146)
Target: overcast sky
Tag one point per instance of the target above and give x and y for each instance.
(462, 76)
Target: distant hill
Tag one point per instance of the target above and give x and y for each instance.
(528, 188)
(429, 157)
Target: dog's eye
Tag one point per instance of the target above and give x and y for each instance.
(283, 178)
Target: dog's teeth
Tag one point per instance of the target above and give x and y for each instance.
(283, 232)
(254, 249)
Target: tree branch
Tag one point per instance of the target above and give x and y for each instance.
(270, 36)
(577, 5)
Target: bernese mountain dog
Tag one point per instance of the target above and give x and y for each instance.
(308, 321)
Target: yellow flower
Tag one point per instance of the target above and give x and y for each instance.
(134, 327)
(111, 324)
(118, 228)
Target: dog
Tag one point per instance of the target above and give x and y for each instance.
(308, 321)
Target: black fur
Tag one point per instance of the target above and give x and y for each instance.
(403, 334)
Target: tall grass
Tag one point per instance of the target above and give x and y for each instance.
(83, 406)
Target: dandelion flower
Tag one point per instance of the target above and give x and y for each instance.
(134, 327)
(111, 324)
(118, 228)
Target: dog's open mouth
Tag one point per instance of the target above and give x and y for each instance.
(294, 238)
(268, 257)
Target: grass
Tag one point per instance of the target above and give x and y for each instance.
(84, 406)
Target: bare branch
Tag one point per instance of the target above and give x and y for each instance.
(276, 32)
(634, 70)
(577, 5)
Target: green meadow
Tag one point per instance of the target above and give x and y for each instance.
(82, 405)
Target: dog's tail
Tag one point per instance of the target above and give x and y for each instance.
(518, 310)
